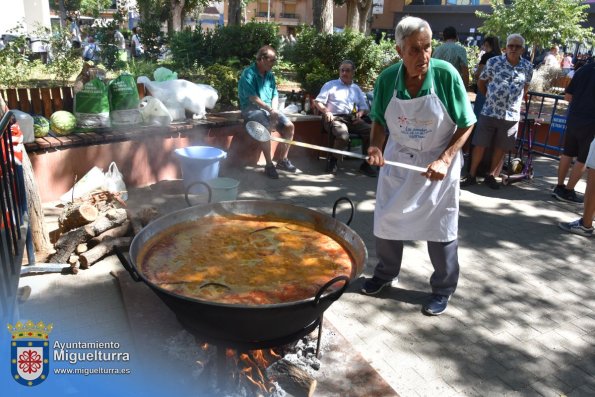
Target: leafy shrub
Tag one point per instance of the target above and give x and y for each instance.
(544, 78)
(242, 42)
(152, 38)
(227, 45)
(14, 63)
(316, 57)
(225, 80)
(190, 47)
(141, 68)
(65, 61)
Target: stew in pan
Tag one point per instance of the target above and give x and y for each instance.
(243, 259)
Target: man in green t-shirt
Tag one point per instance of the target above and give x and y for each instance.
(422, 111)
(259, 101)
(454, 53)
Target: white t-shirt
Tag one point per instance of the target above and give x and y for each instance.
(120, 41)
(138, 47)
(550, 60)
(75, 31)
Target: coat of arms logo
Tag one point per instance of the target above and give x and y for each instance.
(29, 353)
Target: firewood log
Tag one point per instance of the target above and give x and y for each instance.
(55, 235)
(113, 218)
(104, 248)
(118, 231)
(294, 380)
(76, 215)
(81, 248)
(67, 244)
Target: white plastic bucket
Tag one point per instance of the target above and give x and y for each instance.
(199, 164)
(223, 189)
(218, 189)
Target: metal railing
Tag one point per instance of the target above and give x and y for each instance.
(544, 108)
(13, 219)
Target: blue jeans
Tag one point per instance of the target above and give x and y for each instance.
(262, 116)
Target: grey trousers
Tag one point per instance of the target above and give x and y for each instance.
(444, 258)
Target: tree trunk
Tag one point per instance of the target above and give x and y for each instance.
(365, 9)
(174, 24)
(323, 16)
(41, 240)
(62, 14)
(352, 15)
(234, 12)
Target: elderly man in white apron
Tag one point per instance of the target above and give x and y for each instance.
(422, 104)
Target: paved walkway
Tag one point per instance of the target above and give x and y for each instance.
(522, 321)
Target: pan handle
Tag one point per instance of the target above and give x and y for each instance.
(326, 286)
(350, 203)
(133, 273)
(194, 184)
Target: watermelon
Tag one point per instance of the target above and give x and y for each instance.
(41, 126)
(62, 122)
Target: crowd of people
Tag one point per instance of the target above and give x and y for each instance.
(91, 49)
(421, 116)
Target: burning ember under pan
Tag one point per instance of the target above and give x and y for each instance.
(252, 325)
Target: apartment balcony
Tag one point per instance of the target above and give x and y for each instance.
(264, 14)
(289, 19)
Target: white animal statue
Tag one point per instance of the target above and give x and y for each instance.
(180, 95)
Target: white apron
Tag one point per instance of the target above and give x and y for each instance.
(408, 205)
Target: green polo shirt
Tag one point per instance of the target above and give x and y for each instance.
(448, 86)
(253, 83)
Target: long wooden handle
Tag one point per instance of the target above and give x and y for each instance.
(346, 153)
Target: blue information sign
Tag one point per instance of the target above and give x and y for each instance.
(558, 123)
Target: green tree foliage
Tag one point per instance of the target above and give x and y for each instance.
(93, 7)
(14, 63)
(541, 22)
(316, 57)
(225, 80)
(66, 61)
(230, 45)
(69, 5)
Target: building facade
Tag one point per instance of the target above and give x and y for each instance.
(439, 13)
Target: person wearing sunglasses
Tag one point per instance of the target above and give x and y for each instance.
(505, 82)
(259, 101)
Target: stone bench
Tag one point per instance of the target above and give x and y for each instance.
(144, 153)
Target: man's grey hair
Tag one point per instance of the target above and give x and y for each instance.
(408, 26)
(515, 36)
(347, 62)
